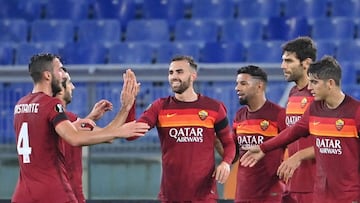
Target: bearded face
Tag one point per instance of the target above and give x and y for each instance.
(55, 85)
(178, 86)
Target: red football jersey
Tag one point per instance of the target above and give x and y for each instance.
(299, 100)
(187, 134)
(260, 182)
(337, 148)
(73, 163)
(43, 176)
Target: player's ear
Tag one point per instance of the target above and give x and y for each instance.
(194, 75)
(306, 63)
(47, 75)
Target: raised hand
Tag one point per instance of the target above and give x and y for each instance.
(252, 156)
(130, 89)
(99, 109)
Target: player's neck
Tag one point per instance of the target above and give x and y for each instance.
(301, 83)
(187, 96)
(334, 100)
(256, 103)
(42, 87)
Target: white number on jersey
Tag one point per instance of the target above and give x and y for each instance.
(23, 147)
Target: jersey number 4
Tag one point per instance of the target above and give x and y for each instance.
(23, 147)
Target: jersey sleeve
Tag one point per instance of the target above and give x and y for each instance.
(150, 115)
(281, 120)
(56, 112)
(224, 133)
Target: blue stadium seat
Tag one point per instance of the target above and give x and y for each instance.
(6, 126)
(170, 10)
(44, 31)
(84, 53)
(165, 51)
(269, 51)
(13, 30)
(156, 30)
(258, 8)
(24, 51)
(80, 106)
(348, 51)
(325, 47)
(131, 52)
(29, 10)
(223, 91)
(280, 28)
(345, 8)
(123, 10)
(348, 73)
(275, 90)
(7, 51)
(306, 8)
(99, 31)
(216, 9)
(336, 28)
(67, 9)
(215, 52)
(196, 30)
(242, 30)
(352, 90)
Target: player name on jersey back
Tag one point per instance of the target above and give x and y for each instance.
(26, 108)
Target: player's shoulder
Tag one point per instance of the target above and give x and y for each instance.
(39, 97)
(208, 99)
(275, 106)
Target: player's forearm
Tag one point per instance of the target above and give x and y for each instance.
(120, 118)
(286, 137)
(228, 147)
(305, 154)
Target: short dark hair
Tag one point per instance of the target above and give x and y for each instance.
(304, 47)
(254, 71)
(326, 68)
(40, 63)
(186, 58)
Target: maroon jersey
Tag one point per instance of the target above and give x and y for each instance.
(337, 148)
(298, 102)
(260, 182)
(73, 163)
(43, 175)
(187, 134)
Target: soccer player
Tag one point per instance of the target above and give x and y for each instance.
(187, 124)
(73, 154)
(333, 118)
(297, 56)
(257, 121)
(40, 122)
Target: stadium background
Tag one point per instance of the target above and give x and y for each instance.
(99, 39)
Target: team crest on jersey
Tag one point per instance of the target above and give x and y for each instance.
(203, 114)
(304, 101)
(59, 108)
(264, 125)
(339, 124)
